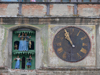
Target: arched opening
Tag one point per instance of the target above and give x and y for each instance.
(16, 45)
(23, 63)
(23, 44)
(37, 47)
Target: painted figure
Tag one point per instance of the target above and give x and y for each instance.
(30, 44)
(29, 62)
(21, 42)
(16, 46)
(26, 42)
(17, 65)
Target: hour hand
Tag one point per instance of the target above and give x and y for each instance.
(68, 38)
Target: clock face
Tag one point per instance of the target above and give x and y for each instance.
(71, 44)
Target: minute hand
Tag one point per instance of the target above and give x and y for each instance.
(68, 38)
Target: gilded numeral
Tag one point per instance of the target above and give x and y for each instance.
(78, 33)
(73, 30)
(64, 55)
(59, 50)
(57, 36)
(83, 38)
(79, 55)
(59, 44)
(83, 50)
(61, 38)
(83, 44)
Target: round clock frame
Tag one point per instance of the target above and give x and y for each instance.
(71, 44)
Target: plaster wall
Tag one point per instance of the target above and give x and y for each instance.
(44, 50)
(89, 61)
(89, 10)
(47, 62)
(33, 10)
(9, 10)
(2, 46)
(40, 10)
(61, 9)
(46, 58)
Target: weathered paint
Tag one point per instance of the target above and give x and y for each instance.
(8, 10)
(33, 10)
(89, 61)
(2, 40)
(88, 10)
(29, 10)
(61, 9)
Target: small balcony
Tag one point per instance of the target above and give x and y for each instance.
(29, 52)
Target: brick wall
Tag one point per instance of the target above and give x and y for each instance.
(89, 10)
(33, 10)
(35, 14)
(61, 9)
(8, 10)
(29, 10)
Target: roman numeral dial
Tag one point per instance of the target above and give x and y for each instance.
(72, 45)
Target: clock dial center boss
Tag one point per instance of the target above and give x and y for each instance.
(71, 44)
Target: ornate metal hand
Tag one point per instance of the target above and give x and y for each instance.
(68, 38)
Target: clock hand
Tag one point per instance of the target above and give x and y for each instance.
(68, 38)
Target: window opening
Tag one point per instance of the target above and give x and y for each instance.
(16, 45)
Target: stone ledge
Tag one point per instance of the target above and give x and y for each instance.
(49, 20)
(70, 69)
(50, 72)
(51, 2)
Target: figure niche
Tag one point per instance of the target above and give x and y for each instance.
(23, 49)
